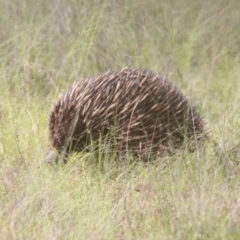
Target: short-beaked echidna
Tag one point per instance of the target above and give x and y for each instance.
(136, 109)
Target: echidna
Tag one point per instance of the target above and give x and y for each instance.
(136, 109)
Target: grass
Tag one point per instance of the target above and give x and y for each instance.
(45, 46)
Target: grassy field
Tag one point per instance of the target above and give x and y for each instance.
(47, 45)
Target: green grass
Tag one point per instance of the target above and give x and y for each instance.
(47, 45)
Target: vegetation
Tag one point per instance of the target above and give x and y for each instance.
(47, 45)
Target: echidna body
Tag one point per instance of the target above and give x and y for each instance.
(136, 109)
